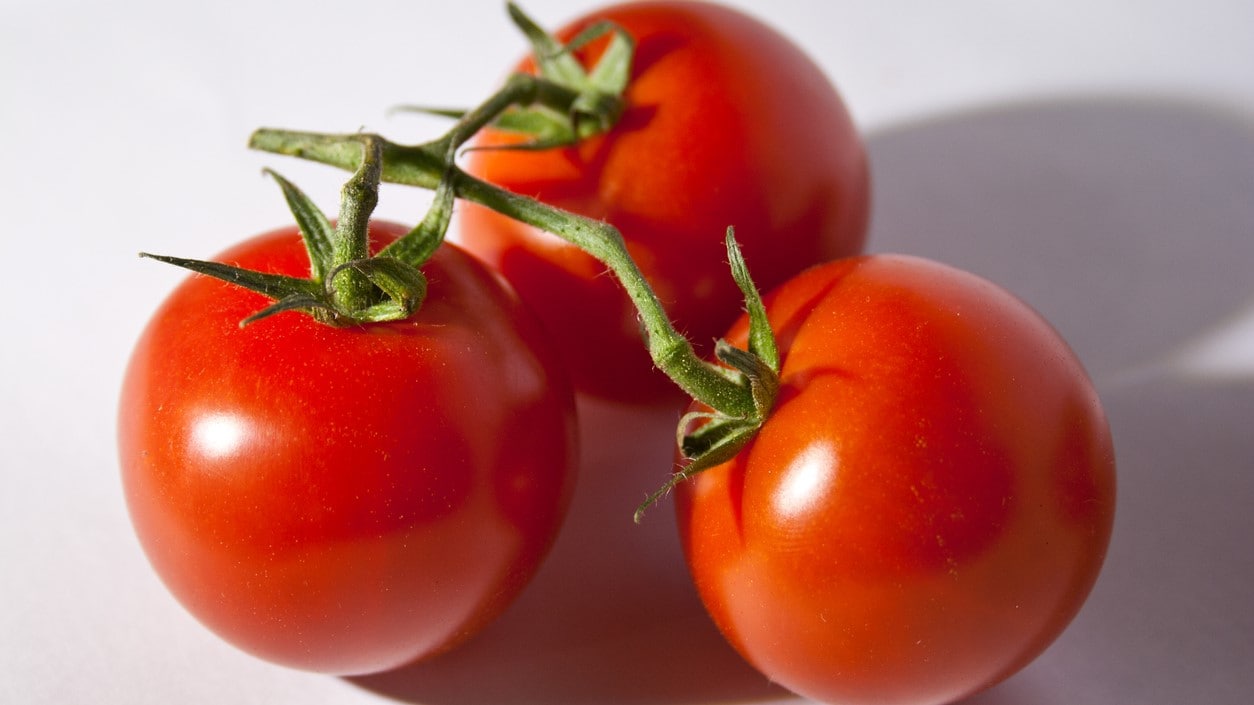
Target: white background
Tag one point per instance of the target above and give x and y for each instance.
(1095, 157)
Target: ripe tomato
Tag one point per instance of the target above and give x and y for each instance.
(727, 123)
(345, 500)
(928, 504)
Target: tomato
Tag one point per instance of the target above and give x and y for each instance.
(928, 504)
(345, 500)
(727, 123)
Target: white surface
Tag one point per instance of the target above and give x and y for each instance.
(1097, 158)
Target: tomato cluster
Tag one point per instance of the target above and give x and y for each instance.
(922, 504)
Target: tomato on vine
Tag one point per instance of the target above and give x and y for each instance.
(724, 121)
(896, 481)
(352, 490)
(927, 504)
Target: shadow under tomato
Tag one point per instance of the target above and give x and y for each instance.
(1129, 224)
(612, 615)
(1169, 620)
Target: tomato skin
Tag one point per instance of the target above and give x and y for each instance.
(345, 500)
(929, 503)
(727, 124)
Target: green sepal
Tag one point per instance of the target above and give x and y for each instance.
(710, 438)
(719, 441)
(418, 245)
(613, 70)
(600, 101)
(712, 432)
(546, 128)
(729, 439)
(597, 102)
(553, 60)
(598, 108)
(275, 286)
(289, 293)
(762, 379)
(315, 228)
(452, 113)
(762, 341)
(403, 284)
(295, 302)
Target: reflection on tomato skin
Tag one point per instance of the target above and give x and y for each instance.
(346, 500)
(929, 503)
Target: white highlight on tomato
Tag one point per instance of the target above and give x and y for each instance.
(219, 435)
(810, 471)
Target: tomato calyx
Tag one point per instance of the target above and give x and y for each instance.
(346, 286)
(709, 438)
(565, 102)
(599, 93)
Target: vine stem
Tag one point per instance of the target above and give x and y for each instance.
(671, 351)
(562, 105)
(569, 92)
(352, 290)
(521, 90)
(426, 165)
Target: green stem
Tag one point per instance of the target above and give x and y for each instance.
(671, 351)
(351, 290)
(521, 90)
(419, 166)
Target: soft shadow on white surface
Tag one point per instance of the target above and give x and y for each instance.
(1170, 620)
(1129, 224)
(612, 617)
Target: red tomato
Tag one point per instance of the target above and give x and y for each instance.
(927, 506)
(345, 500)
(727, 123)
